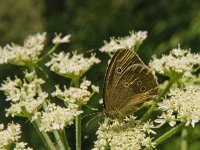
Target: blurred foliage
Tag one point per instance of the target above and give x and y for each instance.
(168, 23)
(19, 19)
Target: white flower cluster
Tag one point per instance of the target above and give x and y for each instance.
(11, 135)
(26, 54)
(179, 61)
(124, 135)
(21, 146)
(71, 67)
(133, 40)
(58, 39)
(56, 118)
(75, 95)
(181, 105)
(26, 95)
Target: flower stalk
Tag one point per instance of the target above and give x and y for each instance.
(44, 136)
(64, 139)
(77, 119)
(49, 53)
(78, 130)
(60, 141)
(184, 143)
(168, 134)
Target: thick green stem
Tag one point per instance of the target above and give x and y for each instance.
(44, 136)
(153, 106)
(184, 143)
(77, 119)
(75, 82)
(64, 139)
(168, 134)
(78, 131)
(60, 142)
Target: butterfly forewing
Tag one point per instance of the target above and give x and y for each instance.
(119, 62)
(128, 83)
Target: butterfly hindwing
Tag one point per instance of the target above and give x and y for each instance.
(135, 86)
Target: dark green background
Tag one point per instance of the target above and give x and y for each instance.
(168, 23)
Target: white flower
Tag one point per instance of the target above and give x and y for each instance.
(9, 135)
(74, 95)
(23, 55)
(190, 80)
(179, 61)
(21, 146)
(166, 118)
(26, 95)
(147, 127)
(101, 101)
(56, 117)
(124, 135)
(1, 127)
(71, 67)
(132, 41)
(95, 88)
(184, 104)
(85, 84)
(110, 47)
(58, 38)
(3, 58)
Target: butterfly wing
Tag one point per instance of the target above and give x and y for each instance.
(128, 83)
(138, 84)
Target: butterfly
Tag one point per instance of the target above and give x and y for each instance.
(128, 83)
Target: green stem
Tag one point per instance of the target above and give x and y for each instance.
(44, 136)
(75, 82)
(59, 140)
(153, 106)
(61, 143)
(136, 48)
(78, 130)
(184, 143)
(77, 119)
(49, 53)
(170, 83)
(168, 134)
(64, 139)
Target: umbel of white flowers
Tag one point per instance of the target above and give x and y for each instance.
(181, 105)
(133, 40)
(125, 135)
(74, 66)
(26, 95)
(26, 54)
(179, 61)
(11, 135)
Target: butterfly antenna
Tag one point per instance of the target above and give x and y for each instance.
(89, 51)
(88, 115)
(91, 108)
(87, 124)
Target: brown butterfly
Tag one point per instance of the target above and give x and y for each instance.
(128, 83)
